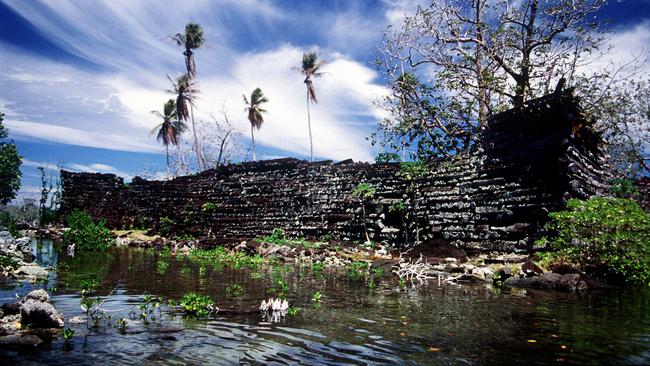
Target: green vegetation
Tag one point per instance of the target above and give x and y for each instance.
(623, 188)
(166, 227)
(146, 310)
(316, 296)
(255, 110)
(208, 207)
(310, 67)
(609, 237)
(278, 237)
(197, 305)
(220, 257)
(68, 334)
(387, 157)
(411, 171)
(7, 262)
(10, 162)
(170, 129)
(358, 270)
(86, 233)
(364, 192)
(292, 311)
(235, 291)
(9, 223)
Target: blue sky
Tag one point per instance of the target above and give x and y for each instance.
(79, 78)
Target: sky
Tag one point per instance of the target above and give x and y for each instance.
(78, 79)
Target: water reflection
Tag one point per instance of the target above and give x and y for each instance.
(351, 325)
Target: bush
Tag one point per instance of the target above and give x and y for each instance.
(8, 222)
(87, 234)
(609, 237)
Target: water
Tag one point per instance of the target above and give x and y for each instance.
(427, 324)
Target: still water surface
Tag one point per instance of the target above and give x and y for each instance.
(426, 324)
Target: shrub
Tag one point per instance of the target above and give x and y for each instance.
(166, 227)
(86, 233)
(197, 305)
(608, 236)
(9, 223)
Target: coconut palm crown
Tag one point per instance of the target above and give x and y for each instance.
(190, 40)
(310, 67)
(170, 129)
(255, 110)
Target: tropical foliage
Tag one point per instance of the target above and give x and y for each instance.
(190, 40)
(609, 237)
(10, 162)
(254, 109)
(310, 68)
(171, 127)
(86, 233)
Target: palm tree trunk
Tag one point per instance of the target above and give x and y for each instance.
(199, 160)
(167, 155)
(253, 138)
(311, 142)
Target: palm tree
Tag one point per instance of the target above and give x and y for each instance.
(171, 127)
(310, 67)
(183, 88)
(191, 40)
(254, 109)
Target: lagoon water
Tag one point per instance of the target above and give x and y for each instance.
(423, 324)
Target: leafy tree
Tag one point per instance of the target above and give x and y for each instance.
(364, 192)
(451, 65)
(190, 40)
(411, 171)
(10, 162)
(608, 236)
(171, 127)
(254, 109)
(310, 68)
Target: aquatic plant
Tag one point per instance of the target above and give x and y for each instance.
(220, 256)
(316, 296)
(86, 233)
(166, 226)
(146, 310)
(68, 334)
(235, 291)
(161, 267)
(292, 311)
(7, 262)
(121, 325)
(358, 270)
(197, 305)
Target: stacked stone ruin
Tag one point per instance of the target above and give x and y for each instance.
(527, 162)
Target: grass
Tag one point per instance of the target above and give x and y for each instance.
(221, 257)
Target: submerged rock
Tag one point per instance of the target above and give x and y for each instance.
(39, 314)
(549, 280)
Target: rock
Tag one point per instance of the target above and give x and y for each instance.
(470, 278)
(11, 308)
(19, 339)
(32, 271)
(562, 268)
(38, 314)
(550, 280)
(38, 295)
(77, 320)
(451, 260)
(531, 269)
(484, 272)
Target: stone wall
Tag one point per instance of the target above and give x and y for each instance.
(494, 197)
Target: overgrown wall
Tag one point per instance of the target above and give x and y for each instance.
(495, 197)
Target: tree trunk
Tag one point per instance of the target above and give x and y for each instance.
(482, 90)
(524, 76)
(311, 143)
(253, 138)
(199, 160)
(167, 155)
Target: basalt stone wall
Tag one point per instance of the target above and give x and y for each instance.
(495, 197)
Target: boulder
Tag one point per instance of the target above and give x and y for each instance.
(32, 271)
(550, 280)
(38, 314)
